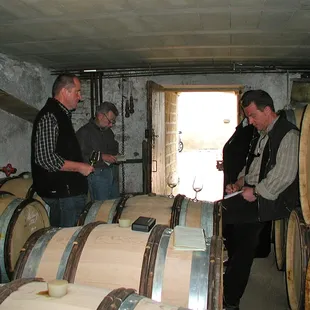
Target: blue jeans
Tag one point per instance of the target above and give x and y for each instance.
(103, 184)
(64, 212)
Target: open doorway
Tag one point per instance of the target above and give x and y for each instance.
(207, 117)
(206, 121)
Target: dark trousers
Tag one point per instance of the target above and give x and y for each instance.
(264, 245)
(64, 212)
(103, 184)
(241, 244)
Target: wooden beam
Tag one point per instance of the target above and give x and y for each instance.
(17, 107)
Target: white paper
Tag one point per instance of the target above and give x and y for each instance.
(232, 194)
(120, 158)
(188, 238)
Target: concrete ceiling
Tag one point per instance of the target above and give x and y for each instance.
(81, 34)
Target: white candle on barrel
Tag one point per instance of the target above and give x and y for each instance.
(124, 222)
(57, 288)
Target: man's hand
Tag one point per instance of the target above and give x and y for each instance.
(86, 169)
(108, 158)
(231, 188)
(76, 166)
(219, 165)
(248, 194)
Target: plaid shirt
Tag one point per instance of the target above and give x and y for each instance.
(46, 140)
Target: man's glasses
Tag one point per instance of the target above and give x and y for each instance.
(112, 122)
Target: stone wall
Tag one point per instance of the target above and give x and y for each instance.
(275, 84)
(32, 84)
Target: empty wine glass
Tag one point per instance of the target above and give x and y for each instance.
(172, 181)
(94, 157)
(197, 187)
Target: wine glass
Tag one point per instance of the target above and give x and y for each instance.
(172, 181)
(94, 157)
(197, 187)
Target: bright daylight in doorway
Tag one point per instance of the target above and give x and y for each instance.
(206, 120)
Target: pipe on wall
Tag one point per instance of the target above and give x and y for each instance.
(96, 89)
(92, 102)
(100, 88)
(225, 68)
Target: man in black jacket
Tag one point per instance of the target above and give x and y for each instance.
(269, 185)
(235, 152)
(58, 171)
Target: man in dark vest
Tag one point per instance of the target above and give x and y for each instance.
(58, 171)
(269, 184)
(235, 153)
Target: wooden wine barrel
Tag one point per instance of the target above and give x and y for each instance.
(280, 230)
(109, 256)
(297, 256)
(18, 186)
(180, 211)
(307, 288)
(33, 294)
(304, 167)
(4, 180)
(19, 218)
(21, 187)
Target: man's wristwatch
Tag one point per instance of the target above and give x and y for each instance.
(255, 193)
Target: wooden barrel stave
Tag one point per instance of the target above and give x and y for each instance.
(215, 296)
(112, 257)
(297, 255)
(18, 220)
(198, 214)
(32, 293)
(280, 232)
(304, 157)
(307, 288)
(193, 214)
(19, 187)
(157, 206)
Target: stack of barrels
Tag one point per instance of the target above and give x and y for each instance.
(298, 237)
(103, 259)
(295, 116)
(292, 236)
(20, 217)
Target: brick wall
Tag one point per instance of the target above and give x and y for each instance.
(171, 132)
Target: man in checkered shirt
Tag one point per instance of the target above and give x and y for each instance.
(58, 171)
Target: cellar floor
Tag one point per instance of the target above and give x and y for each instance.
(266, 288)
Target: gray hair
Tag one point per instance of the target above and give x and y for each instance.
(63, 81)
(107, 106)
